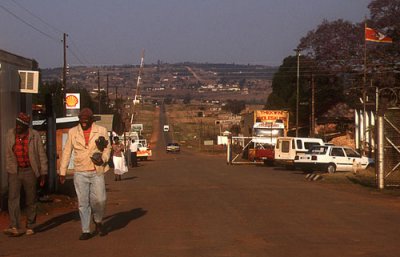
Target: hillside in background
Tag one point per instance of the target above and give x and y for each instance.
(251, 83)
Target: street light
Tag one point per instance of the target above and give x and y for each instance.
(297, 90)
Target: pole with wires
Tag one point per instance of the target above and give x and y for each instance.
(64, 76)
(297, 90)
(137, 97)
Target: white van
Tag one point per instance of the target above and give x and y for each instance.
(166, 128)
(287, 148)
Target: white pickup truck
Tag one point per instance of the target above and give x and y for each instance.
(144, 152)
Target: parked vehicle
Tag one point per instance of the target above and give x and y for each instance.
(264, 127)
(173, 148)
(144, 152)
(286, 149)
(332, 158)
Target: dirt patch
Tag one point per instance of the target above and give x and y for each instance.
(363, 179)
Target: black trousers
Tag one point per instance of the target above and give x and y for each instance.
(133, 159)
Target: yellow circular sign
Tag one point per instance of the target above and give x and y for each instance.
(71, 101)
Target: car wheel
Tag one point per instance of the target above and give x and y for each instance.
(331, 168)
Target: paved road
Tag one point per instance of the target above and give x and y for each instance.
(191, 205)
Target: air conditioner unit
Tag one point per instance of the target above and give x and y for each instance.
(29, 82)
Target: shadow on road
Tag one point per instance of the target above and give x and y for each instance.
(57, 221)
(121, 219)
(128, 178)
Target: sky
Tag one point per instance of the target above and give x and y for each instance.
(114, 32)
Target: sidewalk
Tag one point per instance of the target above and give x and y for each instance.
(61, 203)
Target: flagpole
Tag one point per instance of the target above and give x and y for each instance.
(364, 96)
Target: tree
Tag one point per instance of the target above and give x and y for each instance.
(335, 46)
(187, 99)
(284, 87)
(52, 90)
(168, 100)
(234, 106)
(86, 99)
(384, 59)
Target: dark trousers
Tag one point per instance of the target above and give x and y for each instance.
(26, 178)
(133, 159)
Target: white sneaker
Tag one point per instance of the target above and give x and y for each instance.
(12, 232)
(29, 231)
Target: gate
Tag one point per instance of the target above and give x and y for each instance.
(391, 144)
(240, 150)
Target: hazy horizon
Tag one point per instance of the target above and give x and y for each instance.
(175, 31)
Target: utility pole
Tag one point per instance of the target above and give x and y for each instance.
(64, 79)
(107, 99)
(364, 97)
(137, 98)
(98, 89)
(312, 132)
(297, 90)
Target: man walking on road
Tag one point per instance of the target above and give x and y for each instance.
(133, 147)
(92, 151)
(26, 160)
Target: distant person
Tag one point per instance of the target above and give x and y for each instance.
(120, 166)
(133, 148)
(26, 161)
(92, 151)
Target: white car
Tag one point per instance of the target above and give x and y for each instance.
(332, 158)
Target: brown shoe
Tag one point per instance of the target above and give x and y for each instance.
(85, 236)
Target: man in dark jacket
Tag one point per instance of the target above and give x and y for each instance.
(26, 161)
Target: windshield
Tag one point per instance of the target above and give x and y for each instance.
(264, 132)
(351, 153)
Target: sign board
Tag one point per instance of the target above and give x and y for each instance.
(227, 122)
(208, 142)
(272, 116)
(72, 101)
(222, 140)
(137, 127)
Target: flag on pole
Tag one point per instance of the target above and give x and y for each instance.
(375, 36)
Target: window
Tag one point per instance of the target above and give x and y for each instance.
(337, 152)
(285, 146)
(277, 143)
(309, 145)
(299, 144)
(260, 132)
(318, 150)
(351, 153)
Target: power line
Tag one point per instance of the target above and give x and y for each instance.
(37, 17)
(28, 24)
(52, 27)
(79, 52)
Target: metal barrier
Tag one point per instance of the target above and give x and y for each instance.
(238, 149)
(391, 163)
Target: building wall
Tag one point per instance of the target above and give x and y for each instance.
(11, 102)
